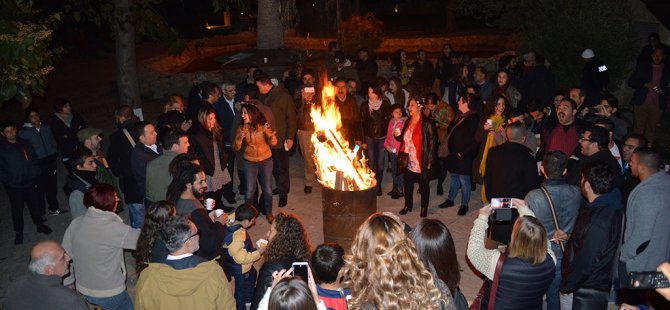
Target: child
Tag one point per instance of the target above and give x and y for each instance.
(392, 145)
(241, 253)
(327, 263)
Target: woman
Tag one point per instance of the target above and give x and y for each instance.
(255, 137)
(65, 124)
(400, 67)
(288, 293)
(462, 150)
(504, 87)
(96, 241)
(173, 114)
(528, 269)
(385, 271)
(396, 94)
(442, 114)
(490, 133)
(445, 68)
(375, 117)
(208, 146)
(456, 85)
(288, 243)
(150, 247)
(419, 146)
(436, 249)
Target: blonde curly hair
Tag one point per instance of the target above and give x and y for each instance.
(385, 271)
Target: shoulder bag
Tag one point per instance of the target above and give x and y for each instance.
(553, 214)
(477, 303)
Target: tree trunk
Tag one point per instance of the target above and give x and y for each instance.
(452, 6)
(126, 65)
(270, 31)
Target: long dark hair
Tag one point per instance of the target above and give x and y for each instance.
(183, 176)
(490, 107)
(256, 117)
(435, 247)
(290, 241)
(157, 214)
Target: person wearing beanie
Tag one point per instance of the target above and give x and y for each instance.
(595, 78)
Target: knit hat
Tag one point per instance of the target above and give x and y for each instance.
(86, 133)
(588, 54)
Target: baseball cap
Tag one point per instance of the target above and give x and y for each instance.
(86, 133)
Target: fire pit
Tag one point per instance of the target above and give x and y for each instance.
(349, 186)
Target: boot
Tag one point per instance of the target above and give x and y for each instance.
(424, 212)
(440, 191)
(398, 194)
(405, 209)
(393, 191)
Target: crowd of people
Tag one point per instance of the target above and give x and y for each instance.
(590, 196)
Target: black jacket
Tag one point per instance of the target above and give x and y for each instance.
(605, 157)
(265, 277)
(139, 158)
(463, 147)
(428, 146)
(78, 181)
(521, 284)
(351, 120)
(642, 75)
(511, 171)
(375, 123)
(203, 146)
(66, 136)
(118, 157)
(211, 234)
(590, 252)
(18, 164)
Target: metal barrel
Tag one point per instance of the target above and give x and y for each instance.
(344, 212)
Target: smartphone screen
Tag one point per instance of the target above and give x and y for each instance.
(647, 280)
(501, 202)
(300, 271)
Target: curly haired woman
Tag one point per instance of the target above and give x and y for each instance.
(385, 271)
(150, 248)
(288, 243)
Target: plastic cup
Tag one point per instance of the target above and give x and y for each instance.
(209, 204)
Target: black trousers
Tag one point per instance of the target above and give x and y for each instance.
(18, 197)
(410, 179)
(280, 171)
(589, 299)
(47, 183)
(228, 189)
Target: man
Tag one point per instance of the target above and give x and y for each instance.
(41, 138)
(646, 242)
(591, 249)
(578, 96)
(366, 67)
(305, 132)
(19, 171)
(342, 70)
(611, 145)
(281, 103)
(175, 142)
(121, 145)
(654, 42)
(82, 176)
(564, 136)
(225, 113)
(543, 116)
(422, 74)
(650, 80)
(352, 90)
(509, 161)
(91, 139)
(595, 78)
(352, 130)
(240, 88)
(630, 144)
(538, 83)
(209, 94)
(329, 58)
(483, 87)
(144, 152)
(566, 199)
(594, 147)
(185, 280)
(43, 287)
(65, 123)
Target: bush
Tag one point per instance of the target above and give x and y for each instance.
(360, 31)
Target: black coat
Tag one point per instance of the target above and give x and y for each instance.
(202, 144)
(642, 75)
(511, 171)
(66, 136)
(139, 159)
(18, 164)
(211, 234)
(605, 157)
(351, 120)
(118, 157)
(462, 145)
(375, 123)
(265, 277)
(428, 146)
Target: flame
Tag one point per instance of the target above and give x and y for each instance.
(331, 150)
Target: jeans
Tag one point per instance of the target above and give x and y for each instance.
(553, 294)
(118, 302)
(410, 178)
(244, 287)
(280, 171)
(307, 149)
(47, 183)
(462, 182)
(18, 197)
(397, 178)
(375, 152)
(136, 212)
(259, 170)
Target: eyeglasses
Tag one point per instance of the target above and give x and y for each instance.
(582, 139)
(193, 235)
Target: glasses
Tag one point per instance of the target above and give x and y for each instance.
(582, 139)
(193, 235)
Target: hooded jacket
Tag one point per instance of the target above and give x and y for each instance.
(42, 140)
(201, 287)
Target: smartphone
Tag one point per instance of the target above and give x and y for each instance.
(309, 90)
(300, 270)
(501, 202)
(647, 280)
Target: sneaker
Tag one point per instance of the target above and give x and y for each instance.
(57, 212)
(44, 229)
(18, 239)
(463, 210)
(446, 204)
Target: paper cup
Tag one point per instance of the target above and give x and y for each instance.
(261, 243)
(209, 203)
(218, 212)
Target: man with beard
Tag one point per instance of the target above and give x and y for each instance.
(351, 121)
(630, 143)
(91, 139)
(564, 136)
(188, 186)
(81, 178)
(594, 147)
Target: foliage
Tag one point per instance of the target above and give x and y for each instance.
(488, 11)
(26, 54)
(561, 29)
(360, 31)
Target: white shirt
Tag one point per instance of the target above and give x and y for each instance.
(178, 257)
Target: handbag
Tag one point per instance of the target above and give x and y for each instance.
(553, 214)
(477, 303)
